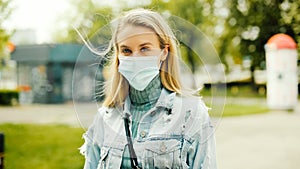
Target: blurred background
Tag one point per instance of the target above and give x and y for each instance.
(41, 55)
(39, 45)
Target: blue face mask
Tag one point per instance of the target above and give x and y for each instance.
(139, 71)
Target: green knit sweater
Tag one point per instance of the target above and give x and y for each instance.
(141, 103)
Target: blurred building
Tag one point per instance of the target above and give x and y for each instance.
(50, 73)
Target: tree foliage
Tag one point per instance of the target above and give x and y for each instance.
(5, 12)
(88, 19)
(237, 28)
(251, 23)
(291, 16)
(197, 31)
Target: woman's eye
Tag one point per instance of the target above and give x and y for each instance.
(144, 49)
(126, 51)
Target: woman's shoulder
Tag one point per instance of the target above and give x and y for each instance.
(104, 115)
(193, 104)
(195, 115)
(104, 110)
(186, 102)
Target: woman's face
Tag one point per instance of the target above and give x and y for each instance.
(138, 41)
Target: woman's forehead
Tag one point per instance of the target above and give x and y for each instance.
(136, 34)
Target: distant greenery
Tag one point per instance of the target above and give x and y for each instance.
(5, 12)
(251, 23)
(234, 108)
(31, 146)
(241, 109)
(8, 97)
(235, 91)
(238, 29)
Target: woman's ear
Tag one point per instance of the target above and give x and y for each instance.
(165, 53)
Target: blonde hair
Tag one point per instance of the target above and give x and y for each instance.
(116, 89)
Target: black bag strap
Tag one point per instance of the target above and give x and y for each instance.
(133, 158)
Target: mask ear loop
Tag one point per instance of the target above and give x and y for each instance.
(166, 46)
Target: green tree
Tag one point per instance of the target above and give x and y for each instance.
(194, 11)
(237, 28)
(88, 20)
(251, 23)
(5, 12)
(291, 16)
(197, 16)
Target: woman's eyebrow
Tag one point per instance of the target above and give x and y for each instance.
(143, 44)
(147, 43)
(124, 46)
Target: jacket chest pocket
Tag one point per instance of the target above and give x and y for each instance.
(110, 158)
(162, 154)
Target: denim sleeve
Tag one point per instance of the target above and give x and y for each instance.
(202, 152)
(91, 152)
(93, 140)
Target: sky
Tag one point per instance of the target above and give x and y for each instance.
(46, 16)
(38, 15)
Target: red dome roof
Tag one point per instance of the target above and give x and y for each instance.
(282, 41)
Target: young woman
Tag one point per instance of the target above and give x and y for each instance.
(146, 120)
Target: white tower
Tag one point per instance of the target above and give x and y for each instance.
(282, 78)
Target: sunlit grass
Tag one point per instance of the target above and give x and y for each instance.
(241, 109)
(235, 108)
(31, 146)
(223, 109)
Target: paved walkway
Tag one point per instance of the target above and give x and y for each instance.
(265, 141)
(40, 113)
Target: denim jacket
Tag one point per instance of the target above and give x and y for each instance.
(176, 133)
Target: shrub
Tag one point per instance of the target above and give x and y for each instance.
(9, 97)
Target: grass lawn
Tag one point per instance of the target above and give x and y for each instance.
(235, 109)
(240, 109)
(30, 146)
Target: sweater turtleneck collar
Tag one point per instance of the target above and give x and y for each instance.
(148, 96)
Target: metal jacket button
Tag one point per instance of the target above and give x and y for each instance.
(143, 134)
(163, 148)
